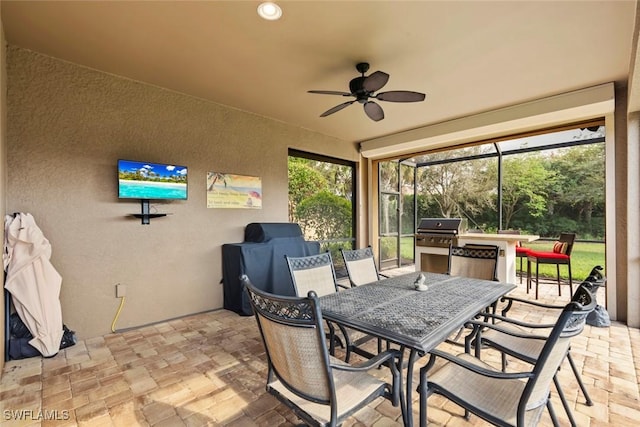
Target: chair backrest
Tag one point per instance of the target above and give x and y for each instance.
(566, 239)
(595, 280)
(312, 273)
(293, 337)
(569, 324)
(361, 265)
(477, 261)
(596, 276)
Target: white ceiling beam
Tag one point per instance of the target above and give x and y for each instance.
(569, 107)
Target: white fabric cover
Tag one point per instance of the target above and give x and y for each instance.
(33, 282)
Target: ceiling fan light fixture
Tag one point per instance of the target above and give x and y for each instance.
(269, 11)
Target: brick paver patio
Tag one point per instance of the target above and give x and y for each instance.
(209, 369)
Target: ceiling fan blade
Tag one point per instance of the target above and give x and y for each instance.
(329, 92)
(375, 81)
(400, 96)
(337, 108)
(374, 111)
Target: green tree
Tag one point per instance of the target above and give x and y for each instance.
(324, 216)
(581, 184)
(458, 189)
(338, 177)
(304, 182)
(525, 186)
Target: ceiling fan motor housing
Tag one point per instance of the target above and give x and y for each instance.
(362, 67)
(357, 89)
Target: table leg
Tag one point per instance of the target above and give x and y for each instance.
(423, 390)
(409, 411)
(403, 401)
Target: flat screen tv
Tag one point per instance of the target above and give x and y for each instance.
(146, 181)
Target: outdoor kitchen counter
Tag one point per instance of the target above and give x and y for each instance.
(506, 242)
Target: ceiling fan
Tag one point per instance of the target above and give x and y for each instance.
(362, 89)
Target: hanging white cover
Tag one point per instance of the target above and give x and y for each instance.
(33, 282)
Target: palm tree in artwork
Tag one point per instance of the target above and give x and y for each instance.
(215, 177)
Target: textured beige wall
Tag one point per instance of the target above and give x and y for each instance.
(68, 125)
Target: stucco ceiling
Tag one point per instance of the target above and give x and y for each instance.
(467, 56)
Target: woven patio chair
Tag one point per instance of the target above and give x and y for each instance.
(313, 273)
(361, 266)
(506, 399)
(476, 261)
(523, 341)
(320, 389)
(316, 273)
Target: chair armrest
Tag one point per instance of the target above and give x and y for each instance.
(511, 300)
(478, 325)
(385, 358)
(514, 321)
(369, 364)
(477, 368)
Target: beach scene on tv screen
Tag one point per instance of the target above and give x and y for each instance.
(144, 180)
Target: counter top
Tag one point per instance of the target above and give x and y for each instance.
(499, 237)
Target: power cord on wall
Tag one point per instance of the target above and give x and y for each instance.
(115, 319)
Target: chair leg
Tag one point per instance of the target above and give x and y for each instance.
(537, 271)
(348, 352)
(563, 399)
(332, 339)
(570, 278)
(347, 341)
(528, 275)
(521, 272)
(552, 413)
(574, 368)
(478, 344)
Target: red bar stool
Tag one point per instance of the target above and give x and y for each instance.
(560, 255)
(521, 254)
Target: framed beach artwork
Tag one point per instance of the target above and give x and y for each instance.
(226, 190)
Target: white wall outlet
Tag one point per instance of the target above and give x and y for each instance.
(121, 290)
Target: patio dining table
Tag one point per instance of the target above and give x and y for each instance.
(393, 310)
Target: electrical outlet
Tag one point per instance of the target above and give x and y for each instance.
(121, 290)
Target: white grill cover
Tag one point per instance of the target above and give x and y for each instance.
(33, 282)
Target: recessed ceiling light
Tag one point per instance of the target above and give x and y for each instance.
(269, 11)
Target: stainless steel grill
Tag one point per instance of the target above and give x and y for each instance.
(438, 232)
